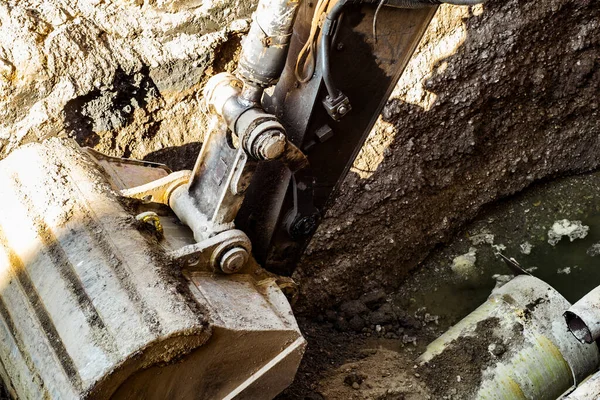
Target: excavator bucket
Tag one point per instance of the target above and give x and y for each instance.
(93, 305)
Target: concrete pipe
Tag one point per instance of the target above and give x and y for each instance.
(518, 346)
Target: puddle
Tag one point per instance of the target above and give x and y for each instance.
(519, 227)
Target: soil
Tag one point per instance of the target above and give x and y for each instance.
(515, 103)
(434, 297)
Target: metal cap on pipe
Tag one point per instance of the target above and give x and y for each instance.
(583, 317)
(589, 389)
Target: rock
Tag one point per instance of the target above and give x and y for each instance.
(526, 248)
(564, 271)
(114, 75)
(373, 299)
(355, 386)
(353, 308)
(464, 265)
(383, 316)
(356, 323)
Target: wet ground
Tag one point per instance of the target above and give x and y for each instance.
(520, 227)
(370, 360)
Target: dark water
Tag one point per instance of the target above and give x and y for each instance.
(527, 217)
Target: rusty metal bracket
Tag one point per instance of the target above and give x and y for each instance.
(160, 190)
(124, 173)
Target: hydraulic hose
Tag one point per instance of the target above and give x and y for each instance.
(333, 15)
(329, 24)
(425, 3)
(325, 48)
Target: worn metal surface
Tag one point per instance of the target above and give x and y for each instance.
(259, 347)
(82, 291)
(583, 317)
(126, 172)
(542, 360)
(206, 255)
(158, 190)
(92, 307)
(367, 72)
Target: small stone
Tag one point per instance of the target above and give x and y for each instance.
(572, 229)
(526, 248)
(497, 349)
(239, 25)
(355, 386)
(357, 324)
(464, 265)
(564, 271)
(353, 308)
(383, 316)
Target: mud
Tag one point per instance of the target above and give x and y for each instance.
(434, 297)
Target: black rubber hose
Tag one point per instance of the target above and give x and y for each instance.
(325, 48)
(425, 3)
(333, 15)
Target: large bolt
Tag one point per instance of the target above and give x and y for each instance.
(233, 260)
(270, 145)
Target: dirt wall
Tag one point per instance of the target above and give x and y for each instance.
(122, 76)
(497, 97)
